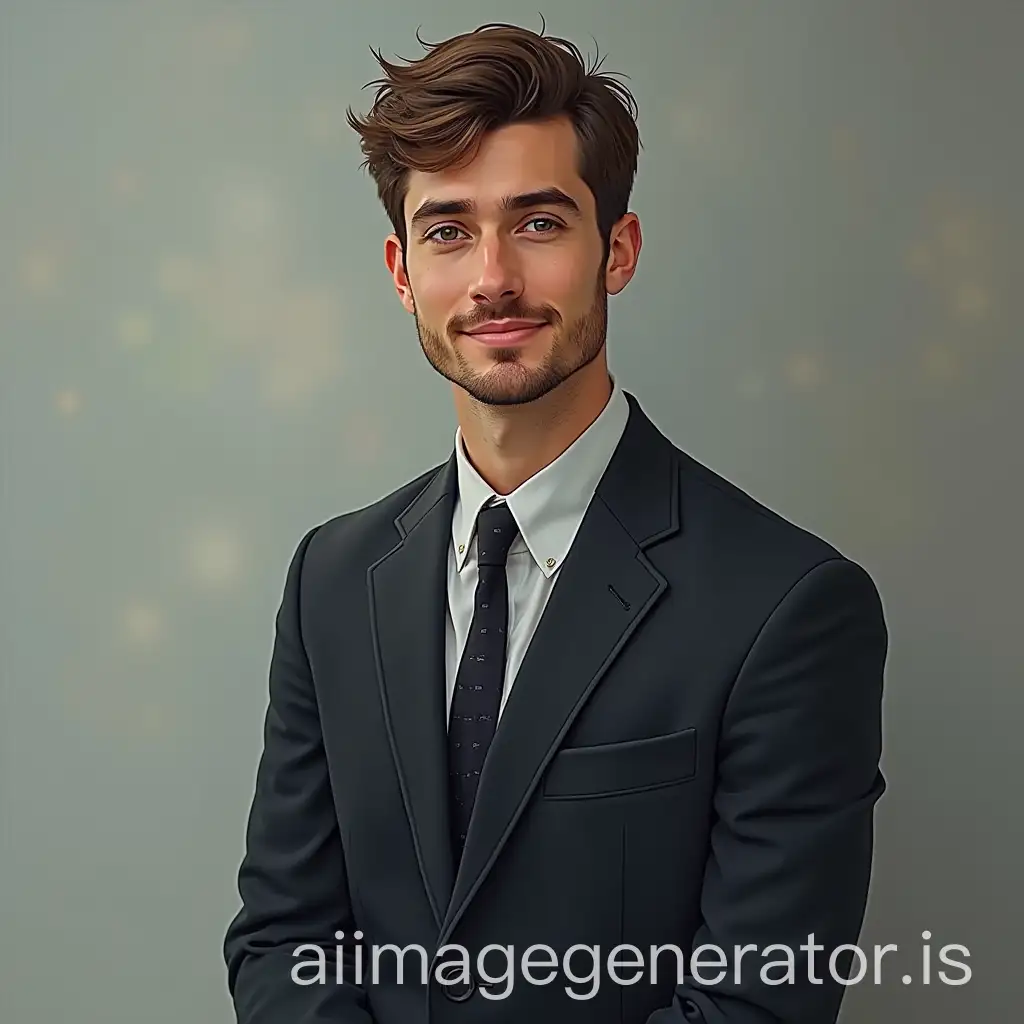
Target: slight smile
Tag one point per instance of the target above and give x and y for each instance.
(505, 332)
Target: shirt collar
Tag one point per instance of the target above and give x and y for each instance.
(549, 507)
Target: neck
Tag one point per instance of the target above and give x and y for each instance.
(508, 444)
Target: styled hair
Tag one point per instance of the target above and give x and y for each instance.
(432, 113)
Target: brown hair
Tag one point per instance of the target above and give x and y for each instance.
(433, 113)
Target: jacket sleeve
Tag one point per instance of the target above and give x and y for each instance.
(292, 879)
(798, 776)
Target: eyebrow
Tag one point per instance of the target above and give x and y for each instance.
(431, 208)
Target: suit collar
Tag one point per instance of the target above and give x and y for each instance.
(606, 587)
(549, 507)
(638, 485)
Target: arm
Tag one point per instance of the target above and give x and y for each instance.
(798, 778)
(292, 879)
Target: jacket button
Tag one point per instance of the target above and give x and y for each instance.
(459, 991)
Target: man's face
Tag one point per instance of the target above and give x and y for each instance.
(511, 236)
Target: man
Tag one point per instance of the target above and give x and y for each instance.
(569, 690)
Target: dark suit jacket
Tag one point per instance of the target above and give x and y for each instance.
(689, 755)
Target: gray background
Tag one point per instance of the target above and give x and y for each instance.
(202, 357)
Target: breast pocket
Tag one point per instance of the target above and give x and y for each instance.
(612, 769)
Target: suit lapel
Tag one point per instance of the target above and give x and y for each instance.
(408, 607)
(606, 587)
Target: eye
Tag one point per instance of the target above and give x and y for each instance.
(553, 224)
(434, 235)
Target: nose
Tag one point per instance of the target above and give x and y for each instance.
(499, 277)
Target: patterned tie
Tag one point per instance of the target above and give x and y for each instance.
(481, 675)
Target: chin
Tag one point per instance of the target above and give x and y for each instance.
(512, 383)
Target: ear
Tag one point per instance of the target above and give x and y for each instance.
(625, 242)
(394, 259)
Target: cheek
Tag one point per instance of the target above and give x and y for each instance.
(437, 296)
(565, 280)
(572, 295)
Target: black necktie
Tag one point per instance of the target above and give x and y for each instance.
(481, 675)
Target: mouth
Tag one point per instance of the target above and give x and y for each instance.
(497, 335)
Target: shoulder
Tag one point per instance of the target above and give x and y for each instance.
(367, 532)
(753, 551)
(724, 512)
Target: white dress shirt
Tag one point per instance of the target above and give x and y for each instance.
(548, 509)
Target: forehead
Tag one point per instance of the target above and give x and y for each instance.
(512, 160)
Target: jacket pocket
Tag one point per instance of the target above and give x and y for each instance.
(610, 769)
